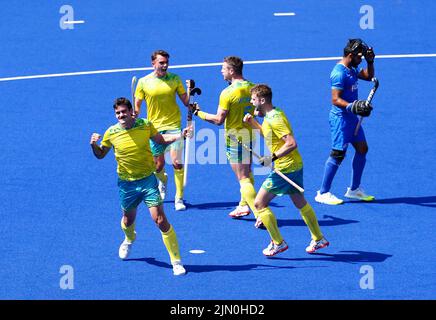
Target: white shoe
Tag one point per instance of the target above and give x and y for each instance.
(259, 223)
(163, 188)
(179, 205)
(124, 250)
(274, 249)
(358, 194)
(178, 269)
(240, 211)
(327, 198)
(316, 245)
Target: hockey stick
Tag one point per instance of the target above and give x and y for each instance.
(132, 90)
(368, 100)
(192, 91)
(296, 186)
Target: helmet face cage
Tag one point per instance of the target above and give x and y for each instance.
(356, 46)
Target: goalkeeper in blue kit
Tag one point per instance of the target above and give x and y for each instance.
(343, 120)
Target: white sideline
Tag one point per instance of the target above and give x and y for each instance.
(200, 65)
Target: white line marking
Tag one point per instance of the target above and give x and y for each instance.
(284, 14)
(74, 21)
(199, 65)
(197, 251)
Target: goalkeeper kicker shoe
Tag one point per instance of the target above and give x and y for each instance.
(358, 194)
(274, 249)
(124, 250)
(316, 245)
(240, 211)
(327, 198)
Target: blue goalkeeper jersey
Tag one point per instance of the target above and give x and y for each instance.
(344, 79)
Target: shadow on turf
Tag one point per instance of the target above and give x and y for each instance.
(217, 205)
(346, 256)
(326, 222)
(212, 268)
(429, 201)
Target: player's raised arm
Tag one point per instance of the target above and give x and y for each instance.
(248, 118)
(99, 151)
(368, 73)
(217, 118)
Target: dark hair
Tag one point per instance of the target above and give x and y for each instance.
(162, 53)
(355, 46)
(122, 102)
(235, 63)
(262, 91)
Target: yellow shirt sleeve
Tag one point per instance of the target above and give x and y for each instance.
(106, 140)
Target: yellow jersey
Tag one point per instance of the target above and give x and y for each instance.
(274, 127)
(235, 99)
(132, 149)
(160, 97)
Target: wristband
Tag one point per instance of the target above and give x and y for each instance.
(201, 115)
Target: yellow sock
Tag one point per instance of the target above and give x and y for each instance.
(178, 180)
(170, 240)
(248, 193)
(129, 231)
(162, 176)
(242, 202)
(311, 221)
(270, 223)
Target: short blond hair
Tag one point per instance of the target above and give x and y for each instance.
(235, 63)
(262, 91)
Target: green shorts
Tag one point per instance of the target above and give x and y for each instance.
(132, 193)
(279, 186)
(236, 153)
(158, 149)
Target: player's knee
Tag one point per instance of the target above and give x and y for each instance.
(159, 166)
(363, 150)
(177, 165)
(258, 204)
(338, 155)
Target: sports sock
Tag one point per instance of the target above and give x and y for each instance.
(248, 193)
(243, 202)
(330, 169)
(311, 221)
(170, 240)
(129, 231)
(270, 223)
(162, 176)
(178, 180)
(359, 161)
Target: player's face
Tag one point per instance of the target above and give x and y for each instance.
(123, 115)
(160, 65)
(226, 72)
(257, 103)
(356, 60)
